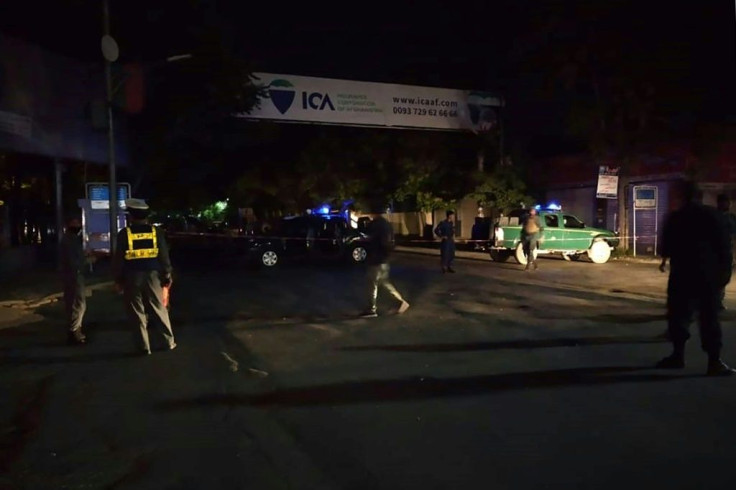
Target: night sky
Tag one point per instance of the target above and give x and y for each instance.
(453, 44)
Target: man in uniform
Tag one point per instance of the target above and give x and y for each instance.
(379, 250)
(141, 267)
(73, 262)
(446, 231)
(531, 230)
(698, 248)
(729, 221)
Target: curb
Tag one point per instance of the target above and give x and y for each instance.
(51, 298)
(464, 254)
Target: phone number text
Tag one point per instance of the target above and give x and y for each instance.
(418, 111)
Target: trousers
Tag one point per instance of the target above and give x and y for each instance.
(143, 300)
(378, 275)
(75, 300)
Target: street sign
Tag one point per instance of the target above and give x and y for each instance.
(645, 197)
(98, 194)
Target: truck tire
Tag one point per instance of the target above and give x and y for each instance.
(358, 254)
(519, 254)
(599, 252)
(499, 255)
(269, 258)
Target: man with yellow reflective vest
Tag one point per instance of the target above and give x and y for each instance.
(142, 268)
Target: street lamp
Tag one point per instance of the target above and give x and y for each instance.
(111, 52)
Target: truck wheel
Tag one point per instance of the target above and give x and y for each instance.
(519, 254)
(599, 252)
(499, 255)
(269, 258)
(358, 254)
(575, 257)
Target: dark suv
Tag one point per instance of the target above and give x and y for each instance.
(313, 237)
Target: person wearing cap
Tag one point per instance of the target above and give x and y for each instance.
(446, 231)
(73, 260)
(141, 269)
(531, 231)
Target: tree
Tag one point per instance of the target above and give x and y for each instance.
(617, 98)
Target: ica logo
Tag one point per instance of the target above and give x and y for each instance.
(282, 95)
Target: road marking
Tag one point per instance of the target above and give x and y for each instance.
(233, 364)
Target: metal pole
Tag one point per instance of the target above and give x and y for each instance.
(59, 201)
(112, 184)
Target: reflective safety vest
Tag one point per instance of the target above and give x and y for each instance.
(134, 253)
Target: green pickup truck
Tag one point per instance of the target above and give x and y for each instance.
(563, 234)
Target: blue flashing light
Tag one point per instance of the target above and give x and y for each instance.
(537, 207)
(324, 210)
(554, 206)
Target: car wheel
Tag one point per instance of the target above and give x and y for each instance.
(599, 252)
(519, 254)
(500, 255)
(358, 254)
(269, 258)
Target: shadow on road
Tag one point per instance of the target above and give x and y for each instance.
(509, 344)
(417, 388)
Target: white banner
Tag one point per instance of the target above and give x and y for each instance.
(328, 101)
(607, 182)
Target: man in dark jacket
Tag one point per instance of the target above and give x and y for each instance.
(73, 261)
(698, 247)
(379, 251)
(141, 268)
(446, 231)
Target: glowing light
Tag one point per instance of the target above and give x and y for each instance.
(554, 206)
(537, 207)
(324, 210)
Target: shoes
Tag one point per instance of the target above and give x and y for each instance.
(146, 352)
(368, 314)
(404, 306)
(172, 346)
(450, 270)
(671, 362)
(536, 266)
(719, 368)
(528, 264)
(444, 270)
(76, 337)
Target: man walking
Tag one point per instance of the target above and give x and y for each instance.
(141, 268)
(379, 251)
(73, 261)
(729, 221)
(446, 231)
(698, 248)
(531, 230)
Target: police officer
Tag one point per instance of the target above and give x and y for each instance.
(446, 231)
(73, 262)
(698, 248)
(141, 268)
(531, 230)
(729, 221)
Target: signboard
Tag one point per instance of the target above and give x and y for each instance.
(607, 182)
(98, 194)
(292, 98)
(645, 197)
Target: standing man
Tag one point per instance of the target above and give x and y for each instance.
(699, 250)
(73, 261)
(379, 251)
(729, 221)
(141, 268)
(446, 231)
(531, 231)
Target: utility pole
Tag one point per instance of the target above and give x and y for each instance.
(110, 51)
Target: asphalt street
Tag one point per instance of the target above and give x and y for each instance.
(494, 378)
